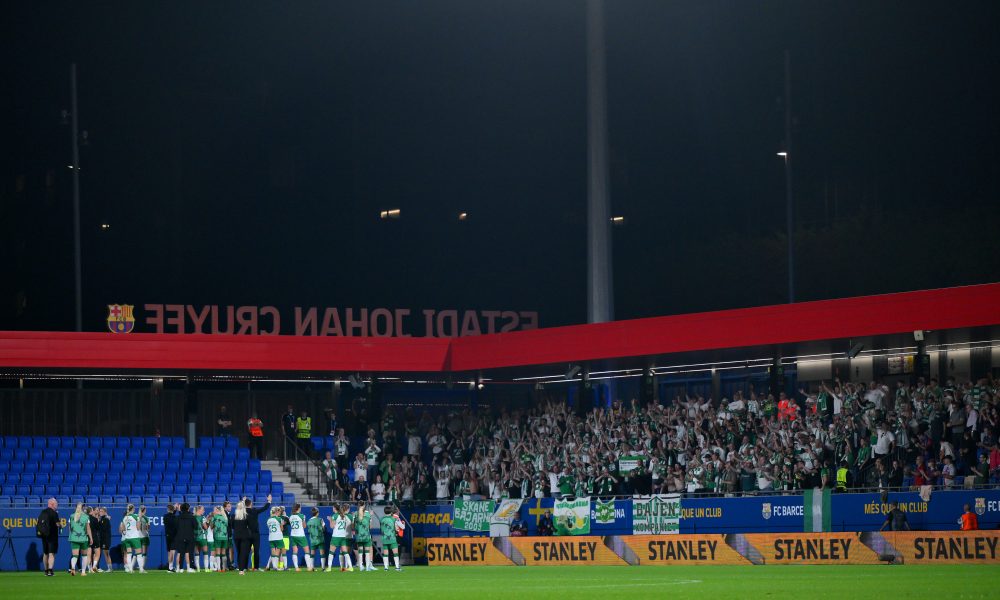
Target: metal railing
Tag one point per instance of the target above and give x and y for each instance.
(303, 468)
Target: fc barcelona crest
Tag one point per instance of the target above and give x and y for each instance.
(980, 506)
(765, 510)
(120, 318)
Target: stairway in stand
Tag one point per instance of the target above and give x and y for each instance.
(278, 473)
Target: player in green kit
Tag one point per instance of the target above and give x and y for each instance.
(80, 539)
(340, 524)
(389, 525)
(200, 539)
(317, 538)
(297, 535)
(275, 539)
(363, 537)
(220, 532)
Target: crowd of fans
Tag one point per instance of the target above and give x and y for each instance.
(838, 435)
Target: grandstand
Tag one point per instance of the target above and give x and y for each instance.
(115, 471)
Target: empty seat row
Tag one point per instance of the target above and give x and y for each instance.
(39, 466)
(139, 488)
(63, 455)
(155, 503)
(136, 477)
(83, 443)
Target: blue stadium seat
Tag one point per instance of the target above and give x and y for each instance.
(154, 476)
(187, 465)
(138, 489)
(71, 477)
(81, 443)
(106, 500)
(49, 454)
(208, 488)
(185, 454)
(7, 455)
(61, 467)
(154, 488)
(109, 443)
(38, 466)
(66, 443)
(96, 443)
(161, 454)
(193, 488)
(42, 477)
(224, 477)
(23, 441)
(253, 465)
(120, 501)
(138, 443)
(242, 454)
(38, 490)
(34, 455)
(230, 442)
(241, 467)
(113, 476)
(21, 454)
(180, 488)
(28, 478)
(56, 478)
(98, 476)
(126, 476)
(106, 454)
(63, 456)
(124, 489)
(198, 476)
(172, 465)
(123, 443)
(33, 501)
(74, 466)
(131, 466)
(163, 500)
(288, 499)
(89, 466)
(65, 489)
(183, 477)
(205, 499)
(168, 476)
(265, 477)
(176, 442)
(200, 465)
(206, 442)
(144, 466)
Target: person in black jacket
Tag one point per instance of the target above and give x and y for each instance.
(184, 538)
(104, 527)
(47, 529)
(95, 534)
(252, 514)
(170, 533)
(243, 536)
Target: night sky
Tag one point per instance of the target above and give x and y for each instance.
(241, 152)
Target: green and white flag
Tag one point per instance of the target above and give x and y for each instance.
(627, 464)
(572, 517)
(656, 515)
(816, 510)
(472, 515)
(604, 512)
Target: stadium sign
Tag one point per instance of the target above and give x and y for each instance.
(683, 550)
(314, 320)
(553, 551)
(473, 515)
(463, 552)
(811, 548)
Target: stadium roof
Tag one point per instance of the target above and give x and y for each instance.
(959, 315)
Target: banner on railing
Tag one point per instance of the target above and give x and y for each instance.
(656, 515)
(572, 517)
(473, 515)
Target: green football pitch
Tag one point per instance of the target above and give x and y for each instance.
(945, 581)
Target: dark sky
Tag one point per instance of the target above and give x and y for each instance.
(241, 152)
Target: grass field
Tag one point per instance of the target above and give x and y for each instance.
(945, 581)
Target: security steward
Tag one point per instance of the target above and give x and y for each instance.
(255, 427)
(303, 431)
(842, 475)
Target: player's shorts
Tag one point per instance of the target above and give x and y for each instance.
(200, 542)
(317, 546)
(96, 544)
(339, 542)
(50, 545)
(299, 542)
(277, 544)
(132, 544)
(365, 542)
(219, 544)
(392, 545)
(85, 545)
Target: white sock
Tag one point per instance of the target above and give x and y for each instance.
(385, 560)
(86, 561)
(72, 563)
(142, 562)
(371, 565)
(197, 561)
(224, 561)
(295, 560)
(329, 561)
(395, 559)
(347, 558)
(130, 562)
(309, 561)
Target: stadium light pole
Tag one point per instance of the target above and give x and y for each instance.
(600, 298)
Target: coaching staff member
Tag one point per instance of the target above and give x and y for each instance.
(47, 530)
(186, 526)
(170, 533)
(252, 523)
(242, 536)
